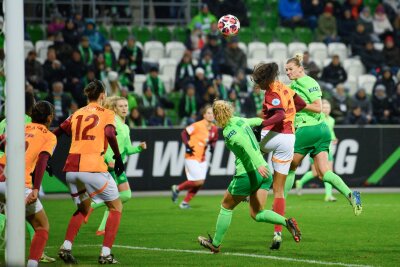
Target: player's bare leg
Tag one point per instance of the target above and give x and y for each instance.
(279, 206)
(40, 223)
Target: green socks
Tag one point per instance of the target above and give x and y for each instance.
(2, 222)
(30, 229)
(289, 182)
(223, 223)
(337, 182)
(328, 189)
(270, 216)
(306, 177)
(124, 196)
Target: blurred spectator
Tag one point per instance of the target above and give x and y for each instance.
(112, 84)
(380, 105)
(110, 60)
(188, 105)
(394, 4)
(333, 74)
(366, 19)
(356, 117)
(212, 44)
(155, 83)
(200, 82)
(326, 30)
(340, 104)
(359, 39)
(254, 102)
(234, 58)
(56, 25)
(346, 26)
(371, 58)
(132, 101)
(381, 23)
(196, 41)
(386, 78)
(236, 103)
(391, 54)
(71, 34)
(312, 10)
(355, 6)
(79, 23)
(210, 67)
(310, 67)
(86, 51)
(184, 71)
(396, 25)
(126, 75)
(75, 70)
(159, 118)
(61, 101)
(73, 107)
(291, 13)
(53, 70)
(240, 84)
(63, 49)
(360, 99)
(90, 76)
(96, 39)
(210, 95)
(135, 119)
(148, 103)
(337, 7)
(204, 18)
(134, 54)
(395, 101)
(100, 67)
(222, 91)
(34, 72)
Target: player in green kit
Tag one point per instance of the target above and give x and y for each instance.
(120, 106)
(29, 103)
(252, 177)
(312, 133)
(326, 109)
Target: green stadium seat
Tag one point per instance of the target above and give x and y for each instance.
(35, 32)
(180, 34)
(104, 31)
(265, 35)
(119, 33)
(256, 20)
(256, 6)
(173, 115)
(304, 35)
(142, 34)
(372, 4)
(246, 35)
(271, 20)
(162, 34)
(272, 6)
(284, 35)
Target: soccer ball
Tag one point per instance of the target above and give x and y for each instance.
(229, 25)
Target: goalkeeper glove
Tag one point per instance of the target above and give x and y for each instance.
(118, 165)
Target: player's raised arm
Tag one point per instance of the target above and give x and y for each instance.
(64, 127)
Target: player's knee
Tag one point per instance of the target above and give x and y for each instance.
(125, 195)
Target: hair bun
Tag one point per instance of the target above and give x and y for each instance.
(299, 57)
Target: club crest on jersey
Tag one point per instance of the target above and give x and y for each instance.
(275, 101)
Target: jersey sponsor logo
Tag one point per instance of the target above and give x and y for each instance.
(230, 134)
(313, 89)
(275, 102)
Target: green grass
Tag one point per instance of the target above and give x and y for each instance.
(331, 233)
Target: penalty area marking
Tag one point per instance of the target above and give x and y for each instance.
(235, 255)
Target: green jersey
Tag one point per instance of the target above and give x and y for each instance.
(124, 142)
(240, 139)
(308, 89)
(3, 125)
(331, 124)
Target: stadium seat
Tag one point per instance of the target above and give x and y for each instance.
(116, 47)
(284, 35)
(379, 46)
(143, 34)
(367, 82)
(119, 33)
(317, 50)
(175, 50)
(304, 35)
(35, 32)
(284, 79)
(173, 115)
(41, 48)
(257, 50)
(154, 49)
(180, 34)
(252, 62)
(243, 46)
(246, 35)
(353, 67)
(168, 68)
(255, 20)
(167, 82)
(28, 46)
(256, 6)
(138, 83)
(271, 20)
(162, 34)
(351, 84)
(326, 62)
(104, 31)
(277, 51)
(272, 5)
(296, 47)
(227, 81)
(265, 35)
(339, 49)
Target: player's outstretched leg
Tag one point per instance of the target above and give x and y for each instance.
(174, 193)
(289, 182)
(328, 193)
(356, 202)
(291, 225)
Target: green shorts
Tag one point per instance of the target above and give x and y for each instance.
(330, 156)
(248, 183)
(120, 179)
(312, 139)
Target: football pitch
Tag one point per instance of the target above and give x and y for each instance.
(155, 232)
